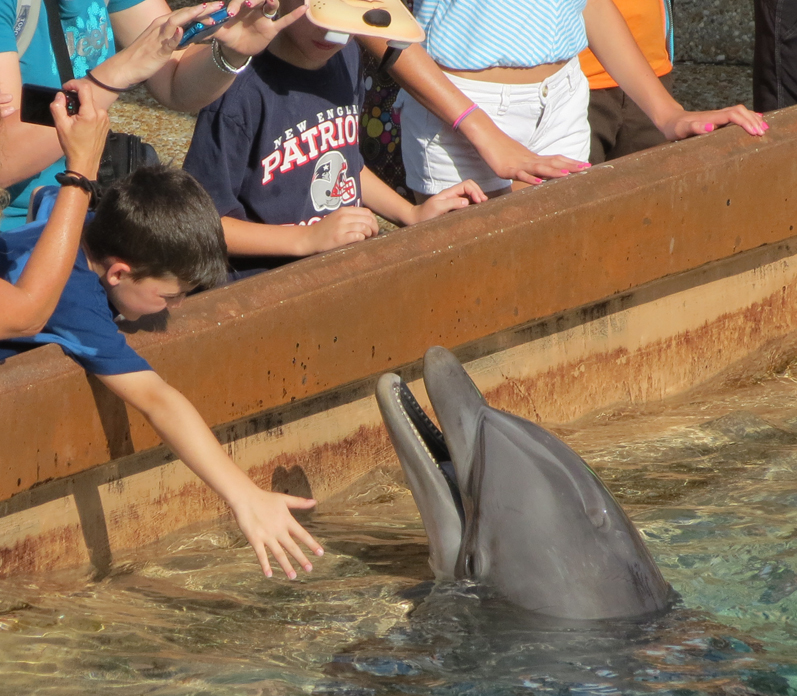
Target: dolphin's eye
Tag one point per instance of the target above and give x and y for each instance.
(599, 518)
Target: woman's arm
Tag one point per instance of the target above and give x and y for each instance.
(28, 305)
(189, 79)
(150, 33)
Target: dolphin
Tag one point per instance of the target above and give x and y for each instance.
(507, 504)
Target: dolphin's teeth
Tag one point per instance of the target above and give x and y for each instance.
(400, 403)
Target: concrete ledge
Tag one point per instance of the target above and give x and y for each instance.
(308, 329)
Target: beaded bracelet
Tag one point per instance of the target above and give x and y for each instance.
(222, 63)
(70, 177)
(464, 115)
(108, 88)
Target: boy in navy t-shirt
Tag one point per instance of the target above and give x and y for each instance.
(155, 236)
(279, 154)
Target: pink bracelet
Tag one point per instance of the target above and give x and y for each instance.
(464, 115)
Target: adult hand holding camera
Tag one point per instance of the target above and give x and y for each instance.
(256, 24)
(151, 49)
(28, 305)
(83, 135)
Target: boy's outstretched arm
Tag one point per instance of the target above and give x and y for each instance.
(383, 200)
(264, 517)
(613, 44)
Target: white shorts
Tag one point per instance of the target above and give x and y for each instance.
(548, 117)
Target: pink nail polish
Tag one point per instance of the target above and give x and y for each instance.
(537, 181)
(586, 165)
(709, 127)
(765, 126)
(565, 171)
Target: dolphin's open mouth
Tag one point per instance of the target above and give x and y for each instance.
(430, 437)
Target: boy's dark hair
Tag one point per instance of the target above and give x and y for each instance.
(160, 221)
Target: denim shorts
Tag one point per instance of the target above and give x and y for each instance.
(548, 117)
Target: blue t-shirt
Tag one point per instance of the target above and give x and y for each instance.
(83, 321)
(281, 146)
(89, 39)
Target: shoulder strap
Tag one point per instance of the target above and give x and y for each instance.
(58, 41)
(25, 26)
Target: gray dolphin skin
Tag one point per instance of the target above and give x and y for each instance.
(507, 504)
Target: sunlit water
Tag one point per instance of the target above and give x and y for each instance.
(710, 479)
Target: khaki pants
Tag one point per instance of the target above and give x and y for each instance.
(619, 126)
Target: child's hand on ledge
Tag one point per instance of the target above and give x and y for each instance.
(343, 226)
(459, 196)
(683, 124)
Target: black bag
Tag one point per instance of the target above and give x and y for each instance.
(124, 153)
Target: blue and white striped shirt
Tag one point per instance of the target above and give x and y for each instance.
(480, 34)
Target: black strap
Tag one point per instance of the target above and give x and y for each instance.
(389, 58)
(70, 178)
(58, 41)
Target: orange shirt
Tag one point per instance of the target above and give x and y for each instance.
(646, 20)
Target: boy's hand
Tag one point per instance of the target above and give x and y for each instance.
(343, 226)
(454, 198)
(268, 525)
(82, 136)
(683, 124)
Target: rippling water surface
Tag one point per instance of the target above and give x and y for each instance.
(710, 479)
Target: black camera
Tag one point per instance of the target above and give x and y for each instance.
(36, 102)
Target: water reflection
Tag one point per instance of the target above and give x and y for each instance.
(710, 479)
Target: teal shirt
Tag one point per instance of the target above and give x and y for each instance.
(89, 39)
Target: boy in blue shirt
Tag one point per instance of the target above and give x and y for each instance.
(155, 236)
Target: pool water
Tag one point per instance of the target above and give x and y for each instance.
(710, 479)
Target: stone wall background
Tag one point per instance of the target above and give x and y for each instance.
(714, 31)
(713, 53)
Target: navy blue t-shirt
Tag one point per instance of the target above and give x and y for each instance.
(281, 146)
(83, 321)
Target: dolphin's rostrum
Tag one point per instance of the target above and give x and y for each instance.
(507, 504)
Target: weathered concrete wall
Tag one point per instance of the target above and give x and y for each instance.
(625, 283)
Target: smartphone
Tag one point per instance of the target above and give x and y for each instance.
(36, 102)
(198, 31)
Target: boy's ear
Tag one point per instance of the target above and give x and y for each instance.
(116, 271)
